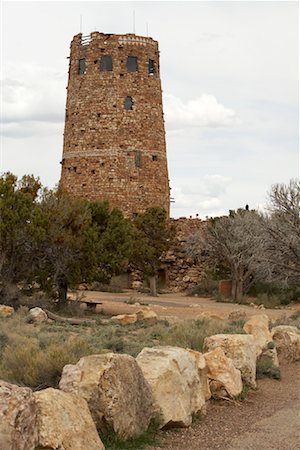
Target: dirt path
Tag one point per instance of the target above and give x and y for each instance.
(268, 420)
(176, 304)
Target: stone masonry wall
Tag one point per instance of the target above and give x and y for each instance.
(111, 153)
(182, 272)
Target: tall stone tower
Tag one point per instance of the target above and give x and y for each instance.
(114, 139)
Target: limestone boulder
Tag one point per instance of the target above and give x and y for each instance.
(172, 373)
(202, 372)
(6, 311)
(125, 319)
(237, 314)
(241, 349)
(64, 422)
(209, 315)
(147, 315)
(38, 315)
(117, 393)
(287, 340)
(18, 418)
(258, 327)
(224, 379)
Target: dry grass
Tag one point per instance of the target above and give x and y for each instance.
(35, 354)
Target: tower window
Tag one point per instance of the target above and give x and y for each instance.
(151, 68)
(138, 158)
(132, 64)
(81, 66)
(128, 103)
(106, 63)
(154, 157)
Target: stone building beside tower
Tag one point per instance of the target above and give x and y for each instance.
(114, 138)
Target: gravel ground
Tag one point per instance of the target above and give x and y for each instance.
(269, 419)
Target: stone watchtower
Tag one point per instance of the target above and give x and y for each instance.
(114, 139)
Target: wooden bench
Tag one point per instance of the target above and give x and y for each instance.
(91, 306)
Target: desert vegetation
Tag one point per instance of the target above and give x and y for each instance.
(33, 354)
(53, 241)
(260, 252)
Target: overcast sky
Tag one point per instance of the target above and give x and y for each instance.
(229, 74)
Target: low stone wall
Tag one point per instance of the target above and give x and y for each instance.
(120, 393)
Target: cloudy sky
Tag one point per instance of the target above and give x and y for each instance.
(229, 73)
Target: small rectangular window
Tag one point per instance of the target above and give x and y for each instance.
(154, 157)
(128, 103)
(81, 66)
(138, 158)
(132, 64)
(106, 63)
(151, 67)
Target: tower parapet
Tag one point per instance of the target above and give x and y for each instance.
(114, 139)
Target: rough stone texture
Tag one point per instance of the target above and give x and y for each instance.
(182, 271)
(237, 314)
(18, 429)
(258, 327)
(6, 311)
(125, 319)
(118, 396)
(241, 349)
(147, 315)
(111, 153)
(38, 315)
(64, 422)
(287, 339)
(202, 372)
(172, 373)
(225, 379)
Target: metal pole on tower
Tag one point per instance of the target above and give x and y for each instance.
(133, 21)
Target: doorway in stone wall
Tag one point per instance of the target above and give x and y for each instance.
(162, 278)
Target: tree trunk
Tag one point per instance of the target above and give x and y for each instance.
(233, 289)
(62, 284)
(152, 281)
(237, 289)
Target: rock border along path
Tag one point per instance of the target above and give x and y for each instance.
(268, 419)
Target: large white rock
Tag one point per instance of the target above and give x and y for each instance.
(64, 422)
(173, 374)
(225, 379)
(258, 327)
(241, 349)
(117, 393)
(287, 339)
(202, 373)
(38, 315)
(18, 428)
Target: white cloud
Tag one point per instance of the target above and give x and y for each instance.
(31, 95)
(202, 112)
(204, 198)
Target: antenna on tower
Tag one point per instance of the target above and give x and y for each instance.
(133, 18)
(80, 23)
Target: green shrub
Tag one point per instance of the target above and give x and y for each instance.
(244, 394)
(272, 295)
(25, 362)
(265, 368)
(112, 441)
(191, 334)
(207, 287)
